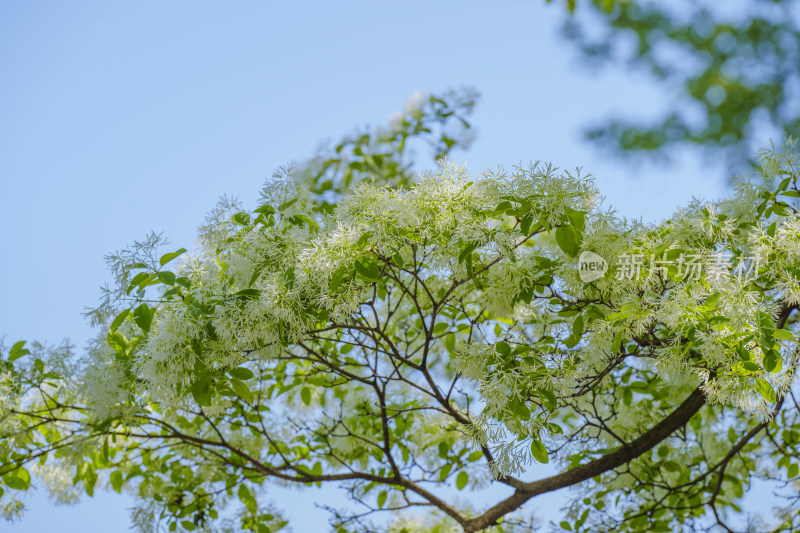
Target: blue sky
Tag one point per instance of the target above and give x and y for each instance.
(117, 118)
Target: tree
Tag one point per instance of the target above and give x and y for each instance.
(402, 342)
(734, 72)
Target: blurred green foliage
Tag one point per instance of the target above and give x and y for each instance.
(733, 67)
(434, 124)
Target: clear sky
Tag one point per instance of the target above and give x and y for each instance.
(117, 118)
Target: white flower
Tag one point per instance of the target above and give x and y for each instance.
(415, 103)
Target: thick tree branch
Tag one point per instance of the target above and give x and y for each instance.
(675, 420)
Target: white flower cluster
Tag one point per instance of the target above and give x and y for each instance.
(292, 269)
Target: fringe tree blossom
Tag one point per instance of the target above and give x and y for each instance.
(406, 339)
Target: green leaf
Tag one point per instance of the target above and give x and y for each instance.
(671, 466)
(567, 239)
(474, 456)
(539, 452)
(582, 519)
(166, 258)
(18, 350)
(521, 411)
(548, 399)
(468, 266)
(305, 395)
(116, 480)
(466, 252)
(246, 294)
(139, 280)
(578, 219)
(783, 335)
(502, 207)
(117, 341)
(287, 204)
(166, 277)
(368, 269)
(242, 390)
(572, 341)
(461, 480)
(119, 319)
(382, 498)
(565, 525)
(105, 449)
(616, 344)
(792, 471)
(337, 278)
(143, 316)
(525, 224)
(241, 373)
(201, 392)
(766, 325)
(450, 342)
(744, 353)
(750, 366)
(765, 389)
(246, 497)
(18, 479)
(241, 219)
(771, 360)
(398, 259)
(674, 254)
(503, 348)
(577, 326)
(444, 449)
(771, 229)
(711, 301)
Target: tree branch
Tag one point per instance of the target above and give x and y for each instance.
(678, 418)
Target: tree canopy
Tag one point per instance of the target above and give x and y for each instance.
(416, 339)
(732, 68)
